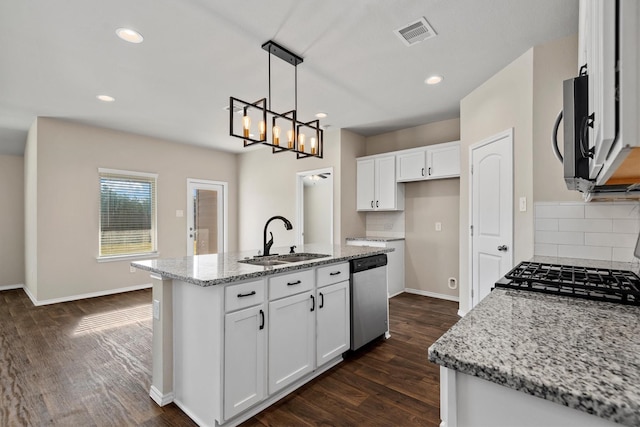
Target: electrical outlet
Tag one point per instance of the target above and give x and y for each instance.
(156, 309)
(132, 269)
(438, 226)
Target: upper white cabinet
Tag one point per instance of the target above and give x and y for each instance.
(608, 47)
(411, 165)
(443, 160)
(431, 162)
(376, 186)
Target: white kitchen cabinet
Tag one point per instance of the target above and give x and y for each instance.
(435, 161)
(244, 355)
(291, 339)
(411, 165)
(376, 186)
(333, 334)
(443, 160)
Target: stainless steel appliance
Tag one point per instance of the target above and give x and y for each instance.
(369, 301)
(599, 284)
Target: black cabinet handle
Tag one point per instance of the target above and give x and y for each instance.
(334, 273)
(422, 172)
(261, 319)
(429, 171)
(313, 303)
(377, 204)
(248, 294)
(372, 203)
(297, 282)
(321, 300)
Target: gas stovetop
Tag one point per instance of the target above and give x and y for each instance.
(592, 283)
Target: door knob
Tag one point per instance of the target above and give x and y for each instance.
(502, 248)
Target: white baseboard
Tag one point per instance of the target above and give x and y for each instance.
(85, 296)
(396, 294)
(432, 294)
(10, 287)
(461, 313)
(159, 398)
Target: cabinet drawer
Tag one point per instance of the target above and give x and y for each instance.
(243, 295)
(333, 273)
(290, 284)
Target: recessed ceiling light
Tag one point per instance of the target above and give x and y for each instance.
(433, 80)
(106, 98)
(129, 35)
(321, 115)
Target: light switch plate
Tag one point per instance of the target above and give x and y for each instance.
(438, 226)
(179, 213)
(523, 204)
(156, 309)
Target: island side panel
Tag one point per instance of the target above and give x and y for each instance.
(162, 345)
(479, 403)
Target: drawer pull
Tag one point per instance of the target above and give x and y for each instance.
(248, 294)
(334, 273)
(297, 282)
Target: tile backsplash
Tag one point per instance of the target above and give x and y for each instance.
(601, 230)
(385, 224)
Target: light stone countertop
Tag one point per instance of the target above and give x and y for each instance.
(208, 270)
(375, 239)
(578, 353)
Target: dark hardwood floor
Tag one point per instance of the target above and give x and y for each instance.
(88, 363)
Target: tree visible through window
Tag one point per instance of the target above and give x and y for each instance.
(127, 213)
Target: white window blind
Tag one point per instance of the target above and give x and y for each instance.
(127, 213)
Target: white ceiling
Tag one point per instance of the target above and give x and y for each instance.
(56, 56)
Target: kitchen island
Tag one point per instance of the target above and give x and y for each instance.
(231, 338)
(521, 358)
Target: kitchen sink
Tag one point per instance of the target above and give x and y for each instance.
(282, 259)
(300, 257)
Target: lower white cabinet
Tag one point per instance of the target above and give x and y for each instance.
(244, 356)
(333, 326)
(291, 339)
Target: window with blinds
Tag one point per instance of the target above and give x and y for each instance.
(127, 213)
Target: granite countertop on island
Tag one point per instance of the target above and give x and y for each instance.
(375, 239)
(578, 353)
(216, 269)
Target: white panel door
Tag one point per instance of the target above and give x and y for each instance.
(365, 185)
(244, 359)
(491, 212)
(291, 339)
(333, 334)
(386, 183)
(206, 213)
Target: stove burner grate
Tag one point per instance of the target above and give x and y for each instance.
(592, 283)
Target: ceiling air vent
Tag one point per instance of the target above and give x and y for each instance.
(415, 32)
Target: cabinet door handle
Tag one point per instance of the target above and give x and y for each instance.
(334, 273)
(422, 172)
(321, 300)
(377, 204)
(313, 303)
(297, 282)
(248, 294)
(261, 319)
(372, 203)
(429, 171)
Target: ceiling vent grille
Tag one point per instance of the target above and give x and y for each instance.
(415, 32)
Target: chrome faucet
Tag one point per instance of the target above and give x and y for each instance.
(267, 245)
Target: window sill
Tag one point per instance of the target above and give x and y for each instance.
(132, 257)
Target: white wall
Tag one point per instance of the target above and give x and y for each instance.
(431, 257)
(521, 96)
(11, 220)
(66, 202)
(267, 185)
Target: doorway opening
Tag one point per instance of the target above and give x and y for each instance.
(314, 207)
(206, 217)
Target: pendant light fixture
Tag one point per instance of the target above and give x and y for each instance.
(256, 123)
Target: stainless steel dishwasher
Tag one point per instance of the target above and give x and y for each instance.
(369, 300)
